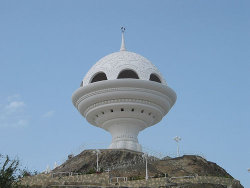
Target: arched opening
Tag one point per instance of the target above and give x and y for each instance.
(81, 84)
(99, 77)
(128, 74)
(155, 78)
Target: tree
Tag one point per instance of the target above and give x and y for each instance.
(25, 172)
(8, 172)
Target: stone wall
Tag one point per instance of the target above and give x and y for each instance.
(103, 180)
(156, 182)
(206, 179)
(47, 179)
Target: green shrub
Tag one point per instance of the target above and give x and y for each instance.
(8, 172)
(91, 171)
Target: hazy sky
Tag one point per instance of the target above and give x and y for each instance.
(201, 47)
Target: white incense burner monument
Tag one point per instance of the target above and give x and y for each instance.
(124, 93)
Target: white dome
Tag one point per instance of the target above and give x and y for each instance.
(115, 63)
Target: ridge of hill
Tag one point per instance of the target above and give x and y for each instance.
(130, 164)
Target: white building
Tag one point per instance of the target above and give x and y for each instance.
(124, 93)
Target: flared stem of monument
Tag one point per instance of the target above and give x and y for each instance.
(124, 133)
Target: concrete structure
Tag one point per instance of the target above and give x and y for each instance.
(124, 93)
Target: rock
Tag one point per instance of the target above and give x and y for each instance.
(129, 163)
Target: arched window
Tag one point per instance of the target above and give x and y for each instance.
(155, 78)
(99, 77)
(81, 84)
(128, 74)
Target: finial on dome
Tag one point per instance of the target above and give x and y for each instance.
(123, 42)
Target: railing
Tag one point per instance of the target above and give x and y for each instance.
(117, 179)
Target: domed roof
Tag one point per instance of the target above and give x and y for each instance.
(115, 63)
(123, 64)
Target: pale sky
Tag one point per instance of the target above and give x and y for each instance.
(202, 48)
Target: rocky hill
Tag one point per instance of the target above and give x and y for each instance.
(130, 164)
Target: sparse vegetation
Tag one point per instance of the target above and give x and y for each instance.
(91, 171)
(8, 172)
(159, 175)
(136, 178)
(25, 172)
